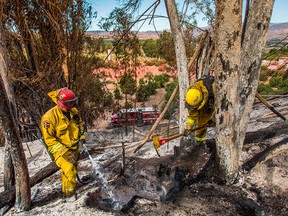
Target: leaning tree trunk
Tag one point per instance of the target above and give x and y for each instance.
(181, 58)
(8, 122)
(227, 48)
(254, 41)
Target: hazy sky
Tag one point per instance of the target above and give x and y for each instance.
(104, 7)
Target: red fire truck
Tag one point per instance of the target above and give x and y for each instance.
(135, 116)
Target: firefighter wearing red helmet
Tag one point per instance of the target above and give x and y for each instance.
(62, 129)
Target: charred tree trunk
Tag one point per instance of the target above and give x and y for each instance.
(238, 65)
(181, 57)
(227, 46)
(9, 177)
(7, 119)
(254, 41)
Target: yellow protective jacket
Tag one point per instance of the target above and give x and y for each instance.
(59, 133)
(203, 113)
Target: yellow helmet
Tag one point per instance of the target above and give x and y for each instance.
(193, 98)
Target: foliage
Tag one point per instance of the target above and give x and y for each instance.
(175, 103)
(127, 84)
(45, 45)
(150, 48)
(117, 94)
(166, 48)
(275, 54)
(274, 81)
(206, 8)
(141, 94)
(148, 85)
(161, 80)
(94, 45)
(277, 84)
(265, 89)
(94, 98)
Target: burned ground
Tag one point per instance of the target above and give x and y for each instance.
(172, 184)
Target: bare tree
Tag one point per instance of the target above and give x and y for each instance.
(13, 147)
(181, 58)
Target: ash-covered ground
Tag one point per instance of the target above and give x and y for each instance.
(147, 185)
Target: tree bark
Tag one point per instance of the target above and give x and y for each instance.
(227, 48)
(237, 74)
(9, 177)
(253, 43)
(181, 59)
(7, 119)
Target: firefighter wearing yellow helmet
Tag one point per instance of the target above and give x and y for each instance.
(62, 128)
(199, 101)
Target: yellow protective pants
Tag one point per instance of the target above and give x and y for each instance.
(68, 175)
(200, 135)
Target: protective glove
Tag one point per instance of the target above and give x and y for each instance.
(187, 132)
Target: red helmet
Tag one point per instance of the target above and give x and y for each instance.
(66, 98)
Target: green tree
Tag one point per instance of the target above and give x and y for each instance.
(150, 48)
(161, 79)
(117, 94)
(166, 49)
(127, 84)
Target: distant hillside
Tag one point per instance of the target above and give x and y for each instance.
(277, 31)
(143, 35)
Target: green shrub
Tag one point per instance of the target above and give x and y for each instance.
(275, 81)
(150, 48)
(161, 79)
(265, 89)
(141, 95)
(283, 85)
(127, 84)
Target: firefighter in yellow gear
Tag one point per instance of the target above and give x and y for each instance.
(199, 101)
(62, 129)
